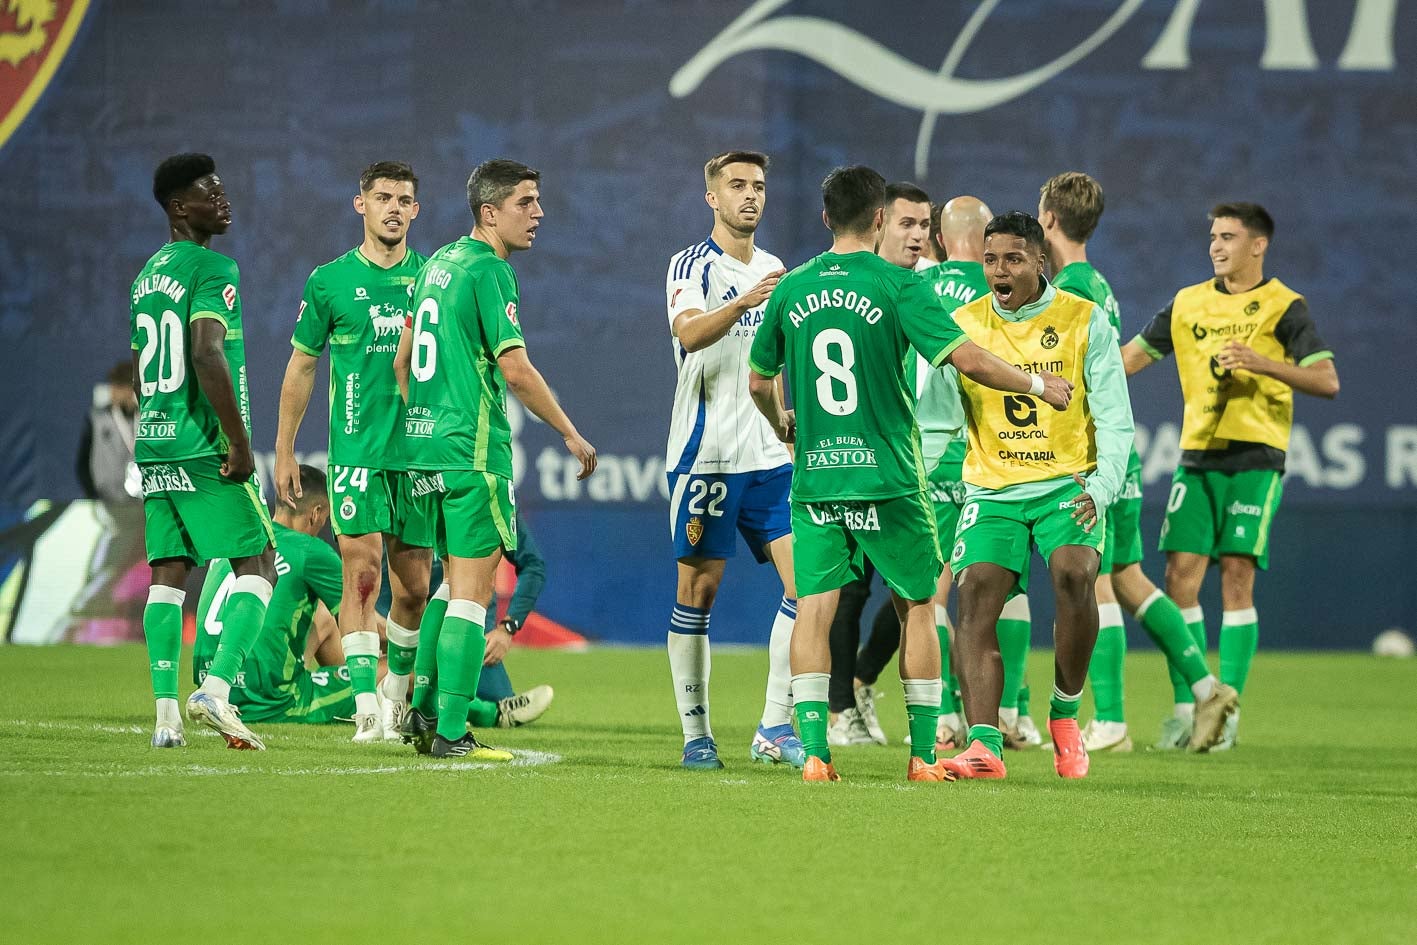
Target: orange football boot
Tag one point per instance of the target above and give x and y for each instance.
(818, 770)
(976, 763)
(921, 770)
(1069, 757)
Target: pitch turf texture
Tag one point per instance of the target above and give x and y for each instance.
(1306, 833)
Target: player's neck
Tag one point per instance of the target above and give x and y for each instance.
(179, 232)
(490, 237)
(964, 252)
(737, 245)
(1244, 280)
(381, 254)
(845, 243)
(1063, 253)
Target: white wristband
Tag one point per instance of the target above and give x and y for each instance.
(1037, 389)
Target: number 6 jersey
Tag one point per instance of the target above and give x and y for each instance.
(843, 325)
(180, 284)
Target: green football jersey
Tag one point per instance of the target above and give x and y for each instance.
(181, 283)
(359, 309)
(307, 571)
(465, 316)
(939, 409)
(1084, 280)
(843, 325)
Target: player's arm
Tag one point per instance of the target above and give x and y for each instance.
(986, 368)
(214, 378)
(312, 330)
(764, 366)
(526, 382)
(697, 329)
(1312, 371)
(403, 359)
(1109, 401)
(1151, 345)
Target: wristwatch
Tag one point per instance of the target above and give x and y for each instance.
(509, 624)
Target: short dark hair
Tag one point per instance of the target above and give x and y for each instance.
(177, 173)
(1076, 199)
(1255, 218)
(312, 487)
(386, 170)
(905, 190)
(1017, 223)
(851, 196)
(493, 182)
(718, 162)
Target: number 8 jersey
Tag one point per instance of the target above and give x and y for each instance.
(843, 325)
(180, 284)
(714, 427)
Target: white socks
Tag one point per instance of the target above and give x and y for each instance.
(689, 666)
(777, 706)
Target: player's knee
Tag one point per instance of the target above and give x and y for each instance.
(1073, 580)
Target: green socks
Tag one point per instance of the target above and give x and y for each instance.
(1239, 638)
(162, 628)
(241, 621)
(1106, 668)
(809, 696)
(403, 649)
(460, 648)
(948, 702)
(1013, 648)
(922, 705)
(1195, 626)
(425, 665)
(1168, 628)
(1064, 706)
(990, 737)
(482, 714)
(361, 658)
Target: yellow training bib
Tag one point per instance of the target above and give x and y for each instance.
(1221, 406)
(1015, 438)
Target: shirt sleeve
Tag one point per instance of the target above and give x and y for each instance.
(313, 321)
(765, 356)
(684, 285)
(218, 287)
(324, 574)
(496, 295)
(531, 573)
(1155, 338)
(1295, 330)
(928, 327)
(1111, 405)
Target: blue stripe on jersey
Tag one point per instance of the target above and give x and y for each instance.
(691, 448)
(687, 259)
(707, 266)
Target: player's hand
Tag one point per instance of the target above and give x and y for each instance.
(787, 427)
(759, 293)
(1057, 391)
(1241, 357)
(239, 463)
(582, 450)
(1084, 509)
(287, 478)
(499, 641)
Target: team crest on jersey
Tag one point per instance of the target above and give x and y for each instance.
(35, 35)
(228, 295)
(512, 312)
(1050, 337)
(1252, 308)
(694, 530)
(346, 509)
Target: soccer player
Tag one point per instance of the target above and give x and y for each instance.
(905, 234)
(356, 305)
(1034, 477)
(1069, 207)
(1243, 344)
(467, 351)
(200, 499)
(727, 473)
(843, 323)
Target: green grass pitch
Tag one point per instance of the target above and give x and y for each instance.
(1306, 833)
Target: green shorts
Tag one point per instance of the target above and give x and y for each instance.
(947, 494)
(1003, 532)
(192, 511)
(365, 501)
(320, 697)
(830, 539)
(475, 513)
(1222, 513)
(1124, 546)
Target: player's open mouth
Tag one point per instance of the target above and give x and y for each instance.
(393, 223)
(1003, 291)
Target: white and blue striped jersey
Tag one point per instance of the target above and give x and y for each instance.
(714, 427)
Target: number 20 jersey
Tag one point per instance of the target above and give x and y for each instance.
(714, 427)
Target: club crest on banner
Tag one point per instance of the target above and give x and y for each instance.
(35, 35)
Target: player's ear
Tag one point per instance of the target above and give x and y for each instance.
(825, 222)
(880, 217)
(1261, 244)
(413, 211)
(359, 204)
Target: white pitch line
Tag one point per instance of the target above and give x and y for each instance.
(523, 759)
